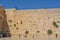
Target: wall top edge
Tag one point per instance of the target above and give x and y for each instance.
(33, 9)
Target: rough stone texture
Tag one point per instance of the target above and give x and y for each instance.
(33, 20)
(1, 19)
(4, 28)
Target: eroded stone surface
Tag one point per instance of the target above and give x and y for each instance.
(37, 22)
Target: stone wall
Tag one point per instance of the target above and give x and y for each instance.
(33, 23)
(1, 19)
(4, 28)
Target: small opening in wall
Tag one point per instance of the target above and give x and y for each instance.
(26, 32)
(25, 36)
(21, 22)
(38, 31)
(48, 17)
(58, 21)
(7, 31)
(10, 20)
(15, 25)
(17, 28)
(4, 11)
(14, 11)
(33, 36)
(55, 24)
(19, 35)
(6, 35)
(56, 35)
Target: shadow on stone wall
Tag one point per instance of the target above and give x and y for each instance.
(5, 27)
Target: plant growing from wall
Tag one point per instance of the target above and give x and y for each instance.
(21, 22)
(26, 32)
(49, 32)
(58, 21)
(17, 28)
(55, 24)
(56, 35)
(10, 20)
(15, 25)
(38, 31)
(4, 11)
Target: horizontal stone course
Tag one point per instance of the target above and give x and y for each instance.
(33, 21)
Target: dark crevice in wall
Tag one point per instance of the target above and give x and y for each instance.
(5, 28)
(56, 35)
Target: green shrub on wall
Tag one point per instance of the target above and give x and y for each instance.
(49, 32)
(21, 22)
(55, 24)
(14, 25)
(26, 32)
(10, 20)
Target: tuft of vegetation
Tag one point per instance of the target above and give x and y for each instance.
(56, 35)
(38, 31)
(21, 22)
(49, 32)
(4, 11)
(55, 24)
(10, 20)
(25, 36)
(15, 25)
(26, 32)
(58, 21)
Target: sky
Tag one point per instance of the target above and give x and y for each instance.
(30, 4)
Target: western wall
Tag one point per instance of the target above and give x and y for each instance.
(33, 23)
